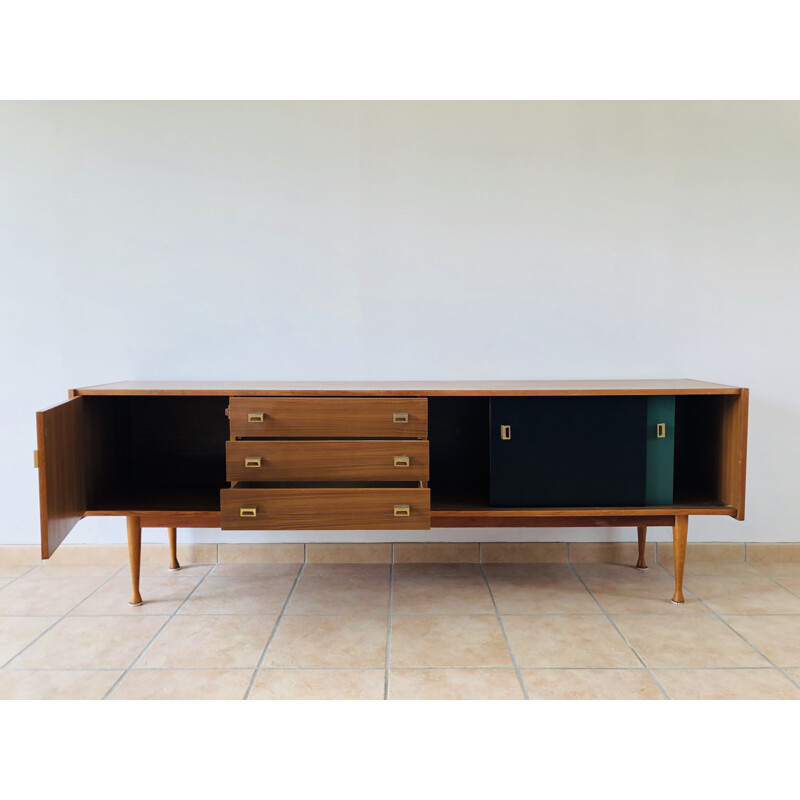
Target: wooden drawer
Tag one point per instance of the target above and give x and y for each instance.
(327, 460)
(329, 417)
(326, 509)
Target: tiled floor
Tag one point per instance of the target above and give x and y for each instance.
(408, 631)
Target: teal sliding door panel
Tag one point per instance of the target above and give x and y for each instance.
(660, 450)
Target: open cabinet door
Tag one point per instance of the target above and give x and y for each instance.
(62, 476)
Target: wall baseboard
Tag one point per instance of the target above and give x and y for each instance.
(408, 553)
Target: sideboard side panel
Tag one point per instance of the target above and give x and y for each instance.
(733, 458)
(62, 474)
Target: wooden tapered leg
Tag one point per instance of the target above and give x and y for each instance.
(642, 531)
(173, 549)
(679, 533)
(135, 556)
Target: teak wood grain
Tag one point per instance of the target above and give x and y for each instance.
(63, 471)
(733, 451)
(408, 388)
(329, 417)
(327, 460)
(325, 509)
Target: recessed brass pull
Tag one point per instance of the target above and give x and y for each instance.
(661, 430)
(402, 461)
(402, 511)
(505, 432)
(400, 417)
(247, 511)
(253, 461)
(255, 417)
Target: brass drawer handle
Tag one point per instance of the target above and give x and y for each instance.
(505, 432)
(400, 417)
(247, 511)
(256, 417)
(402, 461)
(402, 511)
(661, 430)
(253, 461)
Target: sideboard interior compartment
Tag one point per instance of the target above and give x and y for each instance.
(710, 450)
(155, 453)
(458, 429)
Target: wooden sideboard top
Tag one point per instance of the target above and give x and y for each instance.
(407, 388)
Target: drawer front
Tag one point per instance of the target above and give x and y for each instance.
(325, 509)
(329, 417)
(327, 461)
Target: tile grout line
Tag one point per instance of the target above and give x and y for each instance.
(62, 617)
(157, 633)
(750, 644)
(273, 633)
(17, 577)
(624, 638)
(389, 630)
(521, 680)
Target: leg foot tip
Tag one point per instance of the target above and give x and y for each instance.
(642, 567)
(140, 603)
(174, 569)
(677, 602)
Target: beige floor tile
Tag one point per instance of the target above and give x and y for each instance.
(209, 642)
(527, 594)
(429, 552)
(90, 643)
(45, 596)
(19, 554)
(777, 568)
(288, 552)
(340, 595)
(727, 684)
(773, 551)
(640, 592)
(454, 684)
(5, 581)
(794, 674)
(722, 568)
(711, 552)
(329, 642)
(256, 570)
(609, 552)
(15, 570)
(777, 637)
(743, 595)
(162, 568)
(85, 554)
(362, 570)
(189, 552)
(591, 684)
(791, 584)
(441, 568)
(597, 569)
(239, 596)
(448, 641)
(523, 552)
(16, 633)
(161, 595)
(691, 641)
(40, 684)
(567, 641)
(183, 684)
(541, 570)
(441, 594)
(52, 569)
(361, 553)
(319, 684)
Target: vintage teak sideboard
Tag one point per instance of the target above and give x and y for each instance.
(393, 456)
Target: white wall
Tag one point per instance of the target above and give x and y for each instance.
(402, 241)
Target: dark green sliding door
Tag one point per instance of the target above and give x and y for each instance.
(581, 451)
